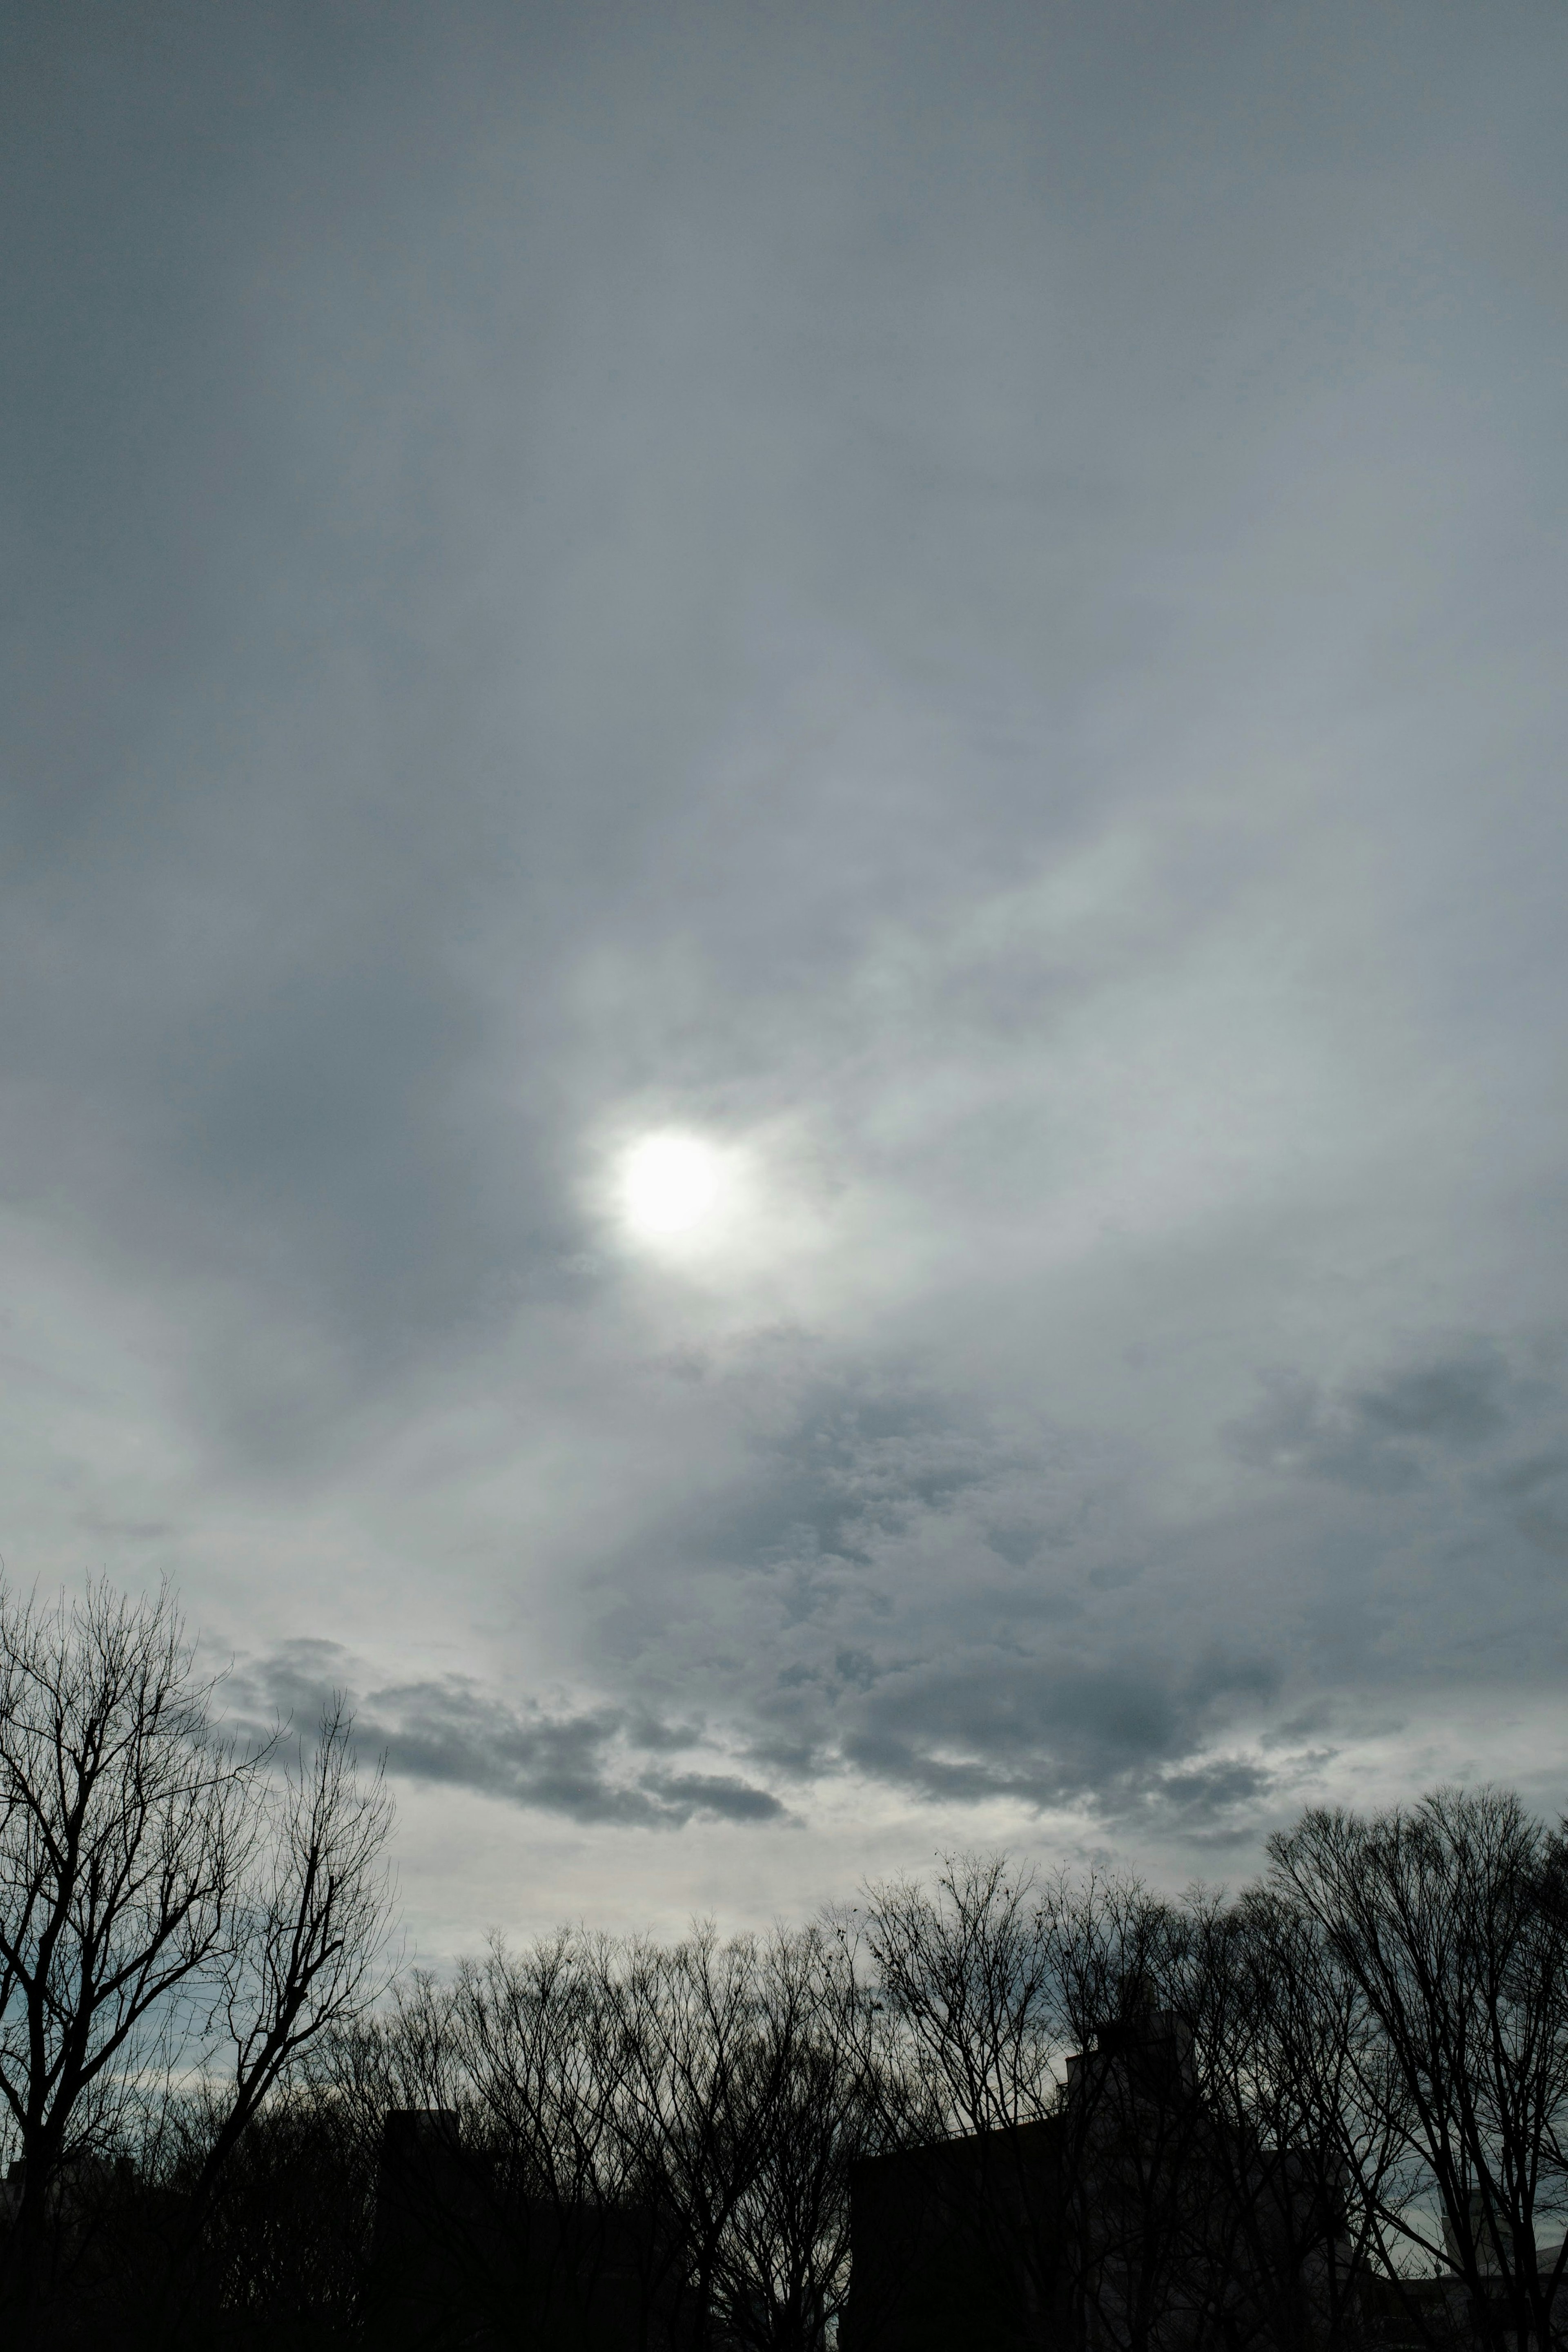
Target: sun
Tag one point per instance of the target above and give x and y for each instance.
(669, 1184)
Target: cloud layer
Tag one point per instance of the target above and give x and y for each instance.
(963, 603)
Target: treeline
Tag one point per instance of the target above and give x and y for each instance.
(1330, 2110)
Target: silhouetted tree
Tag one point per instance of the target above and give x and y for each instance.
(167, 1902)
(1449, 1920)
(970, 2227)
(836, 2096)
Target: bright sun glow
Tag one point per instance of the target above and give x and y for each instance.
(670, 1183)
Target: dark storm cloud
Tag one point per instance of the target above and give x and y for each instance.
(450, 1732)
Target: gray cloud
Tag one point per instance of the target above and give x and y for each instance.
(452, 1732)
(962, 602)
(1047, 1731)
(848, 1609)
(1382, 1437)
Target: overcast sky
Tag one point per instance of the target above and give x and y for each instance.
(783, 934)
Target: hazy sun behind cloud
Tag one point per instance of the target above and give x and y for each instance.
(670, 1183)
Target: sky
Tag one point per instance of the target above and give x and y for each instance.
(782, 931)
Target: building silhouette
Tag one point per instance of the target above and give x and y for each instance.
(1132, 2218)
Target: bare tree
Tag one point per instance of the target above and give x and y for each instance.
(970, 1973)
(309, 1934)
(703, 2075)
(545, 2056)
(126, 1827)
(165, 1898)
(1298, 2157)
(968, 2227)
(1139, 2251)
(784, 2262)
(541, 2053)
(1141, 2115)
(1450, 1921)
